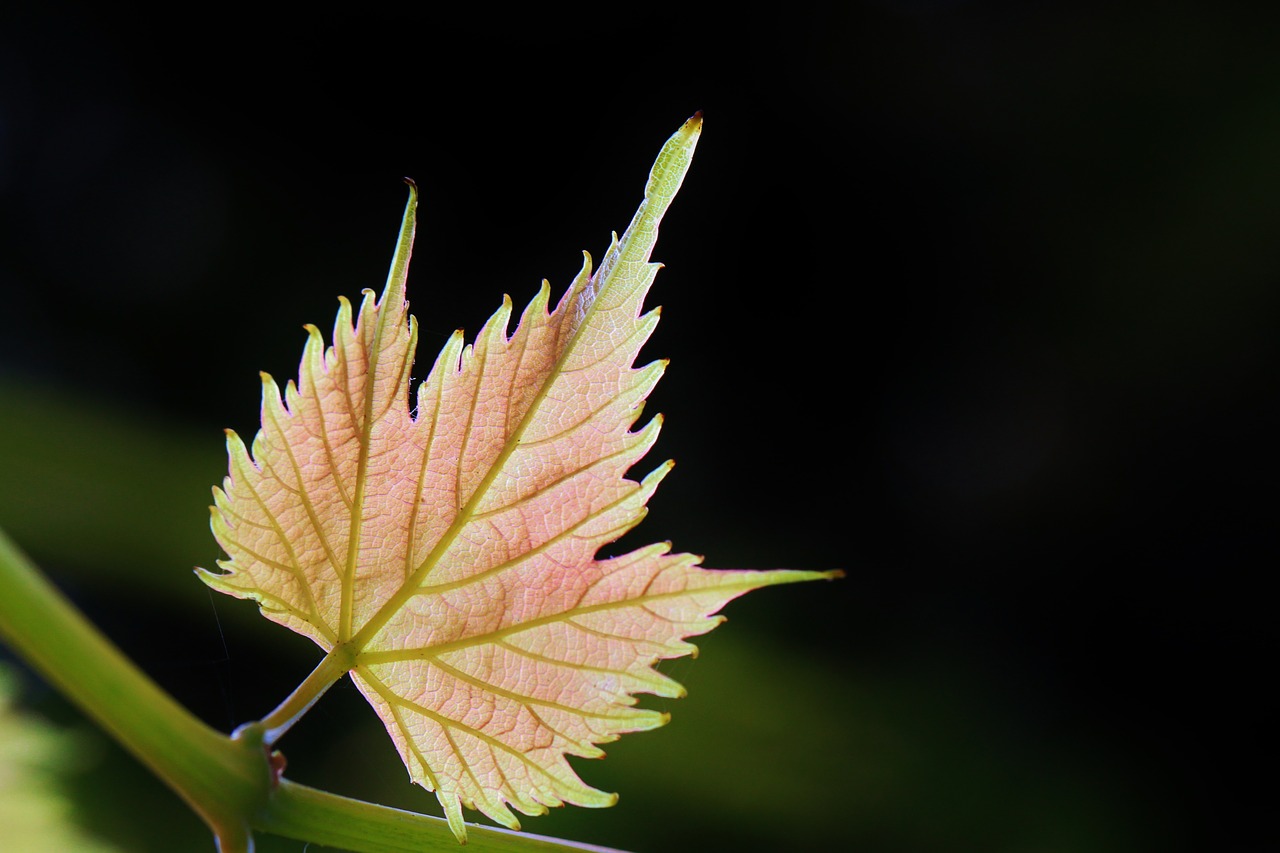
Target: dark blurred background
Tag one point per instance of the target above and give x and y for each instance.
(974, 300)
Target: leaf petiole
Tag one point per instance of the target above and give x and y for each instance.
(274, 725)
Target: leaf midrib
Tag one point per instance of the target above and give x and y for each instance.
(464, 515)
(393, 655)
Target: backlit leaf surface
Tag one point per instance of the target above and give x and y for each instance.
(447, 551)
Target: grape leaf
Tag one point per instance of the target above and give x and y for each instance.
(446, 555)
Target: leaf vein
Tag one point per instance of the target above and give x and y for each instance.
(305, 499)
(448, 723)
(288, 547)
(420, 485)
(528, 553)
(324, 427)
(521, 698)
(581, 667)
(546, 487)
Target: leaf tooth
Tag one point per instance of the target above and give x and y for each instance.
(650, 483)
(573, 304)
(342, 329)
(368, 310)
(312, 351)
(495, 807)
(238, 456)
(488, 336)
(591, 287)
(536, 311)
(583, 749)
(292, 399)
(510, 792)
(447, 363)
(660, 684)
(453, 812)
(218, 523)
(217, 580)
(273, 408)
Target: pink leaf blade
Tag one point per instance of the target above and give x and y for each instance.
(446, 555)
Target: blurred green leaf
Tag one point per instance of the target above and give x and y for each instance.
(36, 815)
(87, 486)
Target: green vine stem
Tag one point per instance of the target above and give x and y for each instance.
(222, 780)
(352, 825)
(227, 781)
